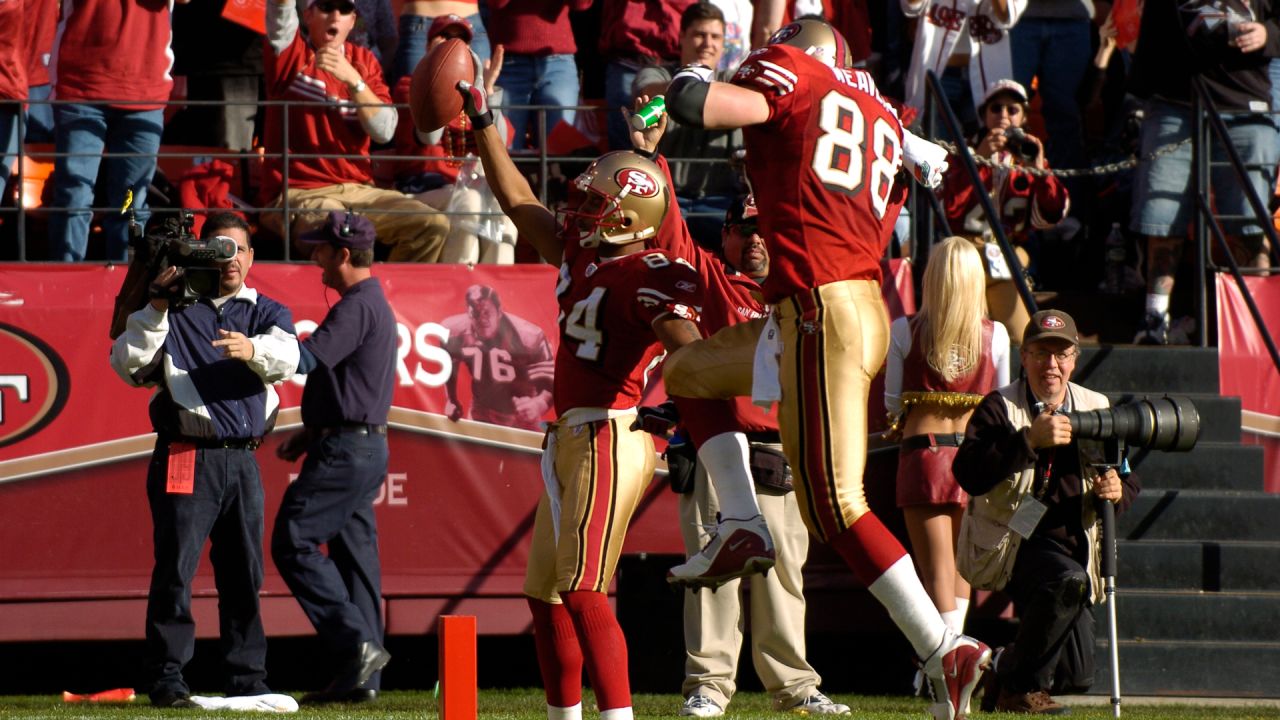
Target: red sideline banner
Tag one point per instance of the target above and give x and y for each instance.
(1245, 368)
(454, 516)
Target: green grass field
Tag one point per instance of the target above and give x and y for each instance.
(528, 705)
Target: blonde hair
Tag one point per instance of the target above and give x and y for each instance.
(954, 304)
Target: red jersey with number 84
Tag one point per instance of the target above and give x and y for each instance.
(607, 309)
(822, 169)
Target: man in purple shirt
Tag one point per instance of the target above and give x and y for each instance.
(350, 364)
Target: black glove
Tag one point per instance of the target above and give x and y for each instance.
(475, 102)
(657, 420)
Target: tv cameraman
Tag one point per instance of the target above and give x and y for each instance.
(1023, 200)
(213, 362)
(1031, 527)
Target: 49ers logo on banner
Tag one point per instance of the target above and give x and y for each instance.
(636, 182)
(34, 384)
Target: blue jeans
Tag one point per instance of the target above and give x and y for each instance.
(86, 130)
(8, 139)
(224, 508)
(413, 44)
(537, 80)
(617, 93)
(331, 503)
(39, 115)
(1057, 52)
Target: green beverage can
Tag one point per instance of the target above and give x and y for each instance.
(649, 114)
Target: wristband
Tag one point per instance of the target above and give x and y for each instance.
(482, 121)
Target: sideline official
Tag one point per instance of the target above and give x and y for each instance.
(350, 364)
(213, 363)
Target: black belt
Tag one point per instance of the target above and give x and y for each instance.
(216, 443)
(928, 440)
(352, 428)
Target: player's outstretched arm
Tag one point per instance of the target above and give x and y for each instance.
(536, 224)
(694, 100)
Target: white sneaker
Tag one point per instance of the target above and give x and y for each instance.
(819, 704)
(738, 548)
(954, 670)
(699, 705)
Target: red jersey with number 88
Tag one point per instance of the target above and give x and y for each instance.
(607, 309)
(822, 168)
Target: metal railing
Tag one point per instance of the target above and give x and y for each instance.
(1207, 123)
(537, 159)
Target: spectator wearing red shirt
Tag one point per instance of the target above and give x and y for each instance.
(107, 51)
(633, 36)
(354, 110)
(538, 66)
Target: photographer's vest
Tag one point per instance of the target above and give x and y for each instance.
(986, 548)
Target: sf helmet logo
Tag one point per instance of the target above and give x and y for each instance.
(1052, 322)
(34, 384)
(785, 33)
(636, 182)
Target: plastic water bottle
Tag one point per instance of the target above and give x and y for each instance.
(1115, 257)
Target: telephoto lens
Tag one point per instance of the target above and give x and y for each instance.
(1165, 423)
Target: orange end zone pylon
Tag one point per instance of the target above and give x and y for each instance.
(458, 694)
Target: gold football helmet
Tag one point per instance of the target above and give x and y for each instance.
(627, 197)
(816, 37)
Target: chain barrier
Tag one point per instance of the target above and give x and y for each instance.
(1105, 169)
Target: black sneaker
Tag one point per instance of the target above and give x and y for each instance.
(172, 700)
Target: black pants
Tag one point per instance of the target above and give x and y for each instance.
(225, 508)
(331, 503)
(1054, 647)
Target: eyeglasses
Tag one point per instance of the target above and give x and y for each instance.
(328, 6)
(1013, 109)
(748, 228)
(1042, 356)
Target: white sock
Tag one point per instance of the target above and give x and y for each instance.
(573, 712)
(725, 459)
(900, 592)
(1157, 304)
(622, 713)
(954, 620)
(962, 607)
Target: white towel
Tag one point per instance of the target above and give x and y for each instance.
(271, 702)
(765, 388)
(550, 480)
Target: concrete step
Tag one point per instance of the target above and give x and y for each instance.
(1145, 615)
(1208, 466)
(1190, 669)
(1234, 566)
(1202, 515)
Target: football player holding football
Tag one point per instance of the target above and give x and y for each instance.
(811, 119)
(620, 306)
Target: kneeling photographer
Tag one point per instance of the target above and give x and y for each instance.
(1024, 201)
(212, 346)
(1032, 528)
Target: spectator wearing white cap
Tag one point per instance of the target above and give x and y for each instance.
(1024, 201)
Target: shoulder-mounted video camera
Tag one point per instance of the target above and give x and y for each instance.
(171, 244)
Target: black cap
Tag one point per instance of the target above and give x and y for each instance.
(344, 230)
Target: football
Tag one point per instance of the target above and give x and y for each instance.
(433, 99)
